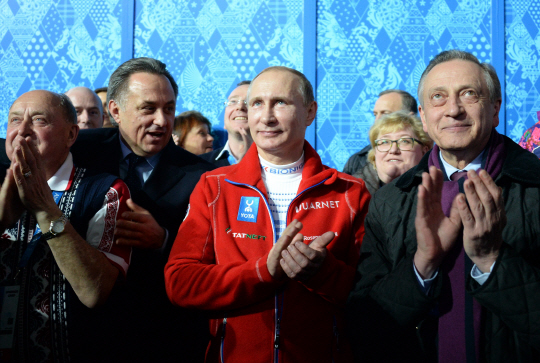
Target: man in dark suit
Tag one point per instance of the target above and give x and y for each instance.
(161, 176)
(236, 124)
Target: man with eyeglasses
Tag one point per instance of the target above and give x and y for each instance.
(274, 295)
(451, 248)
(236, 123)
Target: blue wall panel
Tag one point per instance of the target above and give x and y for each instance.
(522, 20)
(56, 45)
(349, 49)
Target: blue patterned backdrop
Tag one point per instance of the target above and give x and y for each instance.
(56, 45)
(360, 47)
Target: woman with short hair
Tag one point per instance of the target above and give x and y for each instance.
(398, 143)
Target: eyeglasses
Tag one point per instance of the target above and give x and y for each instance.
(403, 144)
(234, 103)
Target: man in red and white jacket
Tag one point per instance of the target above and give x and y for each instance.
(275, 295)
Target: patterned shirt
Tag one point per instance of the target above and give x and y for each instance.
(281, 182)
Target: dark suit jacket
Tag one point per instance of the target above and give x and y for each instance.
(212, 155)
(5, 163)
(153, 328)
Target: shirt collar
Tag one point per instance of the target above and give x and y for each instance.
(473, 165)
(60, 180)
(228, 149)
(152, 160)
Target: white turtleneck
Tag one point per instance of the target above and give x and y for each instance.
(281, 182)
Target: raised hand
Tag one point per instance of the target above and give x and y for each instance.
(11, 206)
(245, 144)
(300, 261)
(435, 233)
(483, 220)
(33, 190)
(138, 228)
(289, 235)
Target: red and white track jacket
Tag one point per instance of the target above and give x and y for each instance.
(218, 263)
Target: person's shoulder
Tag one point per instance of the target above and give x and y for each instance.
(4, 160)
(520, 164)
(93, 176)
(211, 155)
(346, 177)
(96, 135)
(181, 158)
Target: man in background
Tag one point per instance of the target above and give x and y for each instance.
(236, 123)
(108, 121)
(88, 106)
(389, 101)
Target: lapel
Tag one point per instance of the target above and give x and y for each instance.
(112, 144)
(167, 173)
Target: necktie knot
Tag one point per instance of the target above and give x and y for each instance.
(134, 160)
(458, 175)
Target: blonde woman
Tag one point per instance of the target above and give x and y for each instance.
(398, 143)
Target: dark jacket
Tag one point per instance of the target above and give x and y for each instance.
(5, 163)
(357, 161)
(150, 327)
(386, 278)
(212, 155)
(369, 175)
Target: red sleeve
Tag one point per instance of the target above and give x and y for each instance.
(193, 277)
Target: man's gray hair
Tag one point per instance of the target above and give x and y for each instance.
(408, 103)
(67, 107)
(490, 75)
(305, 88)
(119, 81)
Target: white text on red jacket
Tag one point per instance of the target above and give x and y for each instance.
(317, 205)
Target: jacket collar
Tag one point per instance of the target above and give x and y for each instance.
(519, 165)
(248, 171)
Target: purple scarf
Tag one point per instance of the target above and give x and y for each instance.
(456, 308)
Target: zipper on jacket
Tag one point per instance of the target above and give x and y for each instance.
(276, 338)
(222, 348)
(277, 309)
(336, 333)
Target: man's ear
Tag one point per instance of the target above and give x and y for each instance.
(114, 109)
(73, 133)
(312, 112)
(497, 108)
(423, 118)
